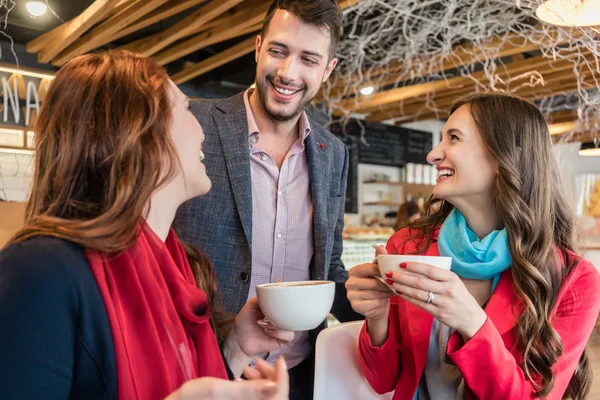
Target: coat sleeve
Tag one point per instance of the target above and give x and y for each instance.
(382, 365)
(38, 324)
(341, 308)
(490, 369)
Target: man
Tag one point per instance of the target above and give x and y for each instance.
(276, 209)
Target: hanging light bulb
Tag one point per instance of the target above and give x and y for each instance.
(367, 90)
(569, 12)
(36, 8)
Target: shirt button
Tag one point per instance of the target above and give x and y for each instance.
(279, 236)
(253, 139)
(265, 157)
(279, 193)
(244, 277)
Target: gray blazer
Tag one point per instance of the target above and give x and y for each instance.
(220, 222)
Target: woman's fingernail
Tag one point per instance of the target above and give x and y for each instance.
(403, 265)
(262, 322)
(389, 281)
(268, 389)
(388, 274)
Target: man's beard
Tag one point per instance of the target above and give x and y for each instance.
(262, 86)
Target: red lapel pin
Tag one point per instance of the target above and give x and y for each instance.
(322, 145)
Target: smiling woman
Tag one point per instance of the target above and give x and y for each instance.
(97, 285)
(513, 316)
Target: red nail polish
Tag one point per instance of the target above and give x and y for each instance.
(388, 274)
(389, 281)
(402, 265)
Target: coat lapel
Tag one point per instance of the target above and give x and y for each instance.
(500, 309)
(233, 134)
(319, 163)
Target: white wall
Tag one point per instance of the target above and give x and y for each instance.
(571, 165)
(15, 176)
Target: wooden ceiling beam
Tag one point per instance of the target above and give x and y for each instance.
(508, 45)
(169, 9)
(228, 28)
(182, 29)
(562, 127)
(347, 3)
(193, 70)
(103, 33)
(51, 43)
(204, 40)
(442, 113)
(444, 100)
(376, 101)
(172, 7)
(120, 6)
(562, 116)
(572, 136)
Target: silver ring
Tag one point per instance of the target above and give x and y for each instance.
(430, 297)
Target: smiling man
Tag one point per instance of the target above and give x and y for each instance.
(276, 209)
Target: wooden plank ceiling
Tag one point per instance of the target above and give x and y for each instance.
(105, 21)
(215, 21)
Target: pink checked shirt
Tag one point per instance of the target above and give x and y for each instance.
(282, 222)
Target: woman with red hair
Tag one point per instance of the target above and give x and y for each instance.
(98, 297)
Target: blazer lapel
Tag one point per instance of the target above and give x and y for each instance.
(503, 309)
(233, 134)
(319, 160)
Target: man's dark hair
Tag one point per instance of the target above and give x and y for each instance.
(325, 14)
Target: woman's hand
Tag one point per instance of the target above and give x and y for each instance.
(271, 385)
(452, 303)
(367, 295)
(252, 335)
(370, 297)
(277, 374)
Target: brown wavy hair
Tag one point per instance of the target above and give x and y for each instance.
(102, 149)
(541, 231)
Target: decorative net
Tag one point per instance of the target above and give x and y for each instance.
(395, 43)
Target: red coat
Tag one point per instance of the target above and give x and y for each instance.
(489, 362)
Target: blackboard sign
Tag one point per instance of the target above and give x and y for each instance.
(378, 144)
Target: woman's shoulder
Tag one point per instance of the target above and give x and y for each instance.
(42, 260)
(583, 273)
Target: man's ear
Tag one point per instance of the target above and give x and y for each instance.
(258, 45)
(329, 69)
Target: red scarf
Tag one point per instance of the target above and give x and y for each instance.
(160, 320)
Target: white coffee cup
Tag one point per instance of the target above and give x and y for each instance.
(391, 262)
(296, 306)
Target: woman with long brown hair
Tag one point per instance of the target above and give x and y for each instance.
(512, 318)
(98, 298)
